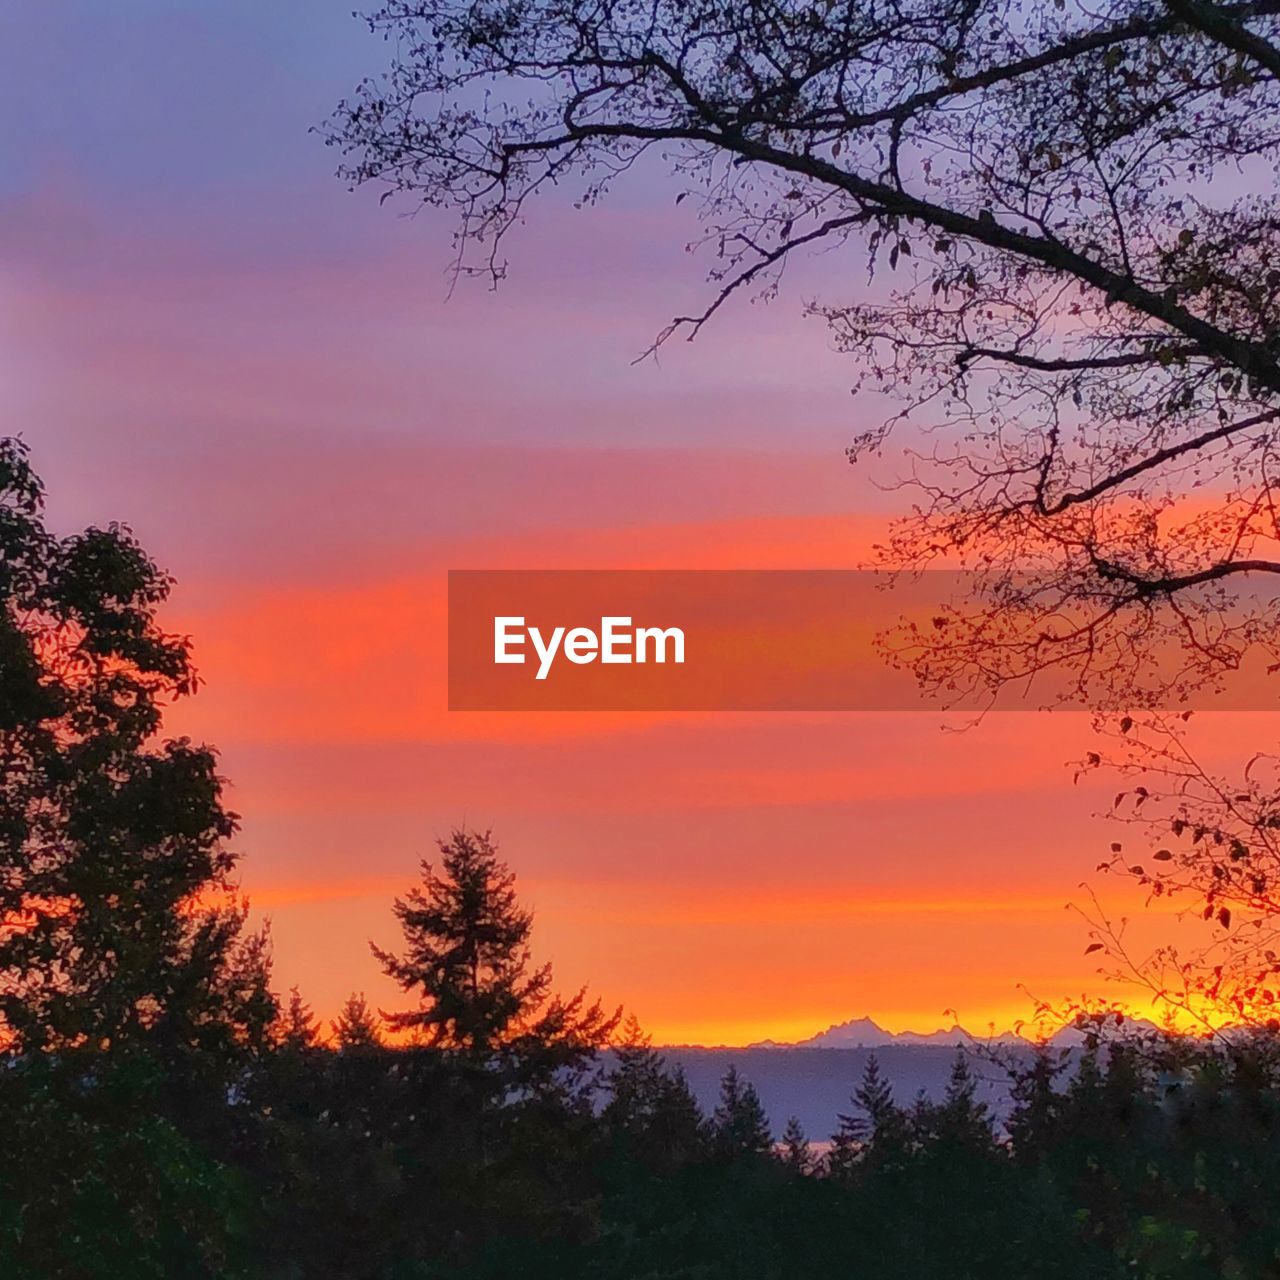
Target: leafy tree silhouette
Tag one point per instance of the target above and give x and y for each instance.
(1074, 283)
(132, 1002)
(122, 925)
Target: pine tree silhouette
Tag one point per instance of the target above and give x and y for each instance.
(297, 1029)
(960, 1119)
(467, 959)
(875, 1098)
(357, 1026)
(876, 1126)
(794, 1152)
(739, 1126)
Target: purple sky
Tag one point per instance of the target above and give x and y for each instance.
(204, 334)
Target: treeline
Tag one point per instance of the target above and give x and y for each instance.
(164, 1115)
(507, 1133)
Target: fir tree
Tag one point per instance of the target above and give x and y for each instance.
(650, 1111)
(467, 958)
(1034, 1119)
(740, 1126)
(876, 1127)
(635, 1083)
(357, 1026)
(794, 1153)
(962, 1117)
(874, 1097)
(677, 1122)
(846, 1146)
(297, 1030)
(467, 953)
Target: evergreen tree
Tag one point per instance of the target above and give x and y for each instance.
(467, 958)
(677, 1124)
(739, 1126)
(357, 1026)
(876, 1127)
(650, 1111)
(961, 1086)
(635, 1082)
(846, 1146)
(795, 1154)
(962, 1118)
(122, 923)
(1033, 1120)
(468, 950)
(874, 1097)
(297, 1029)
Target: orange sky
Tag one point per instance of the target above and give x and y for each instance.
(730, 877)
(203, 334)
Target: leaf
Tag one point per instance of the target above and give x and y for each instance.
(1162, 855)
(1093, 946)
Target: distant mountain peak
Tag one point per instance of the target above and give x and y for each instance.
(866, 1033)
(857, 1033)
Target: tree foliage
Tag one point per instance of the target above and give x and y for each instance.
(1201, 842)
(357, 1026)
(119, 919)
(739, 1126)
(467, 957)
(1070, 214)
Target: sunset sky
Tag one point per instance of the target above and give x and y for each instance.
(203, 334)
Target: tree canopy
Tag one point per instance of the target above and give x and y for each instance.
(119, 918)
(467, 957)
(1070, 212)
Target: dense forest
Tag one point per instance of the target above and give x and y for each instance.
(167, 1114)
